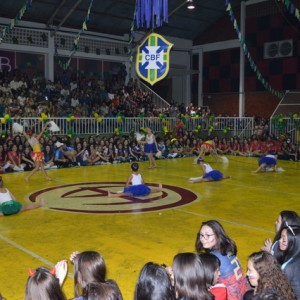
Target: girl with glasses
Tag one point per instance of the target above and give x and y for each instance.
(212, 238)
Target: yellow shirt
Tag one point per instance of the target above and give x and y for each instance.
(36, 148)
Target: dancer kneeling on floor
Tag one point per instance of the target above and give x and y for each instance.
(137, 187)
(266, 163)
(209, 174)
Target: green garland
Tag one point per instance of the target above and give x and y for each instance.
(253, 66)
(66, 65)
(13, 22)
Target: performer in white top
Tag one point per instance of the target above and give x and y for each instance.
(150, 147)
(10, 206)
(209, 174)
(135, 185)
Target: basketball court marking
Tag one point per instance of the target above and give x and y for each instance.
(30, 253)
(223, 220)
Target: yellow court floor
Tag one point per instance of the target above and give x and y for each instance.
(129, 232)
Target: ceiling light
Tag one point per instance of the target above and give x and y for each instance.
(190, 4)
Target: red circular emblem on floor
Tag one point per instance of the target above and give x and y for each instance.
(91, 197)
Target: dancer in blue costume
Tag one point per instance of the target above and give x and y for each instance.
(135, 185)
(209, 174)
(266, 164)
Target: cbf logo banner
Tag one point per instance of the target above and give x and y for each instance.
(153, 58)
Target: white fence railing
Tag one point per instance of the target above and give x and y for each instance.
(157, 100)
(288, 127)
(90, 126)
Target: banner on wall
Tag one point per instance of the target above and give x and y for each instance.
(153, 58)
(7, 61)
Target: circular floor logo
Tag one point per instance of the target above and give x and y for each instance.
(91, 197)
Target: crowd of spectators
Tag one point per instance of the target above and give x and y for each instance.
(213, 272)
(15, 151)
(83, 97)
(21, 96)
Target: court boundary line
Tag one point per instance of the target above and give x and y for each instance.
(226, 221)
(30, 253)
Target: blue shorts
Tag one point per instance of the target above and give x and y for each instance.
(150, 148)
(215, 175)
(269, 161)
(138, 190)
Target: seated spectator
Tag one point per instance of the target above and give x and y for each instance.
(189, 277)
(94, 156)
(26, 159)
(289, 244)
(59, 158)
(255, 148)
(213, 239)
(3, 159)
(82, 154)
(90, 267)
(70, 153)
(211, 265)
(14, 160)
(109, 153)
(121, 155)
(137, 150)
(49, 158)
(285, 217)
(265, 276)
(45, 284)
(100, 291)
(154, 283)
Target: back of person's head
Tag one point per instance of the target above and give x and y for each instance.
(100, 291)
(43, 285)
(211, 264)
(154, 284)
(135, 167)
(269, 296)
(270, 275)
(89, 267)
(189, 277)
(223, 242)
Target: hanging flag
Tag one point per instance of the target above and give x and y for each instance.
(153, 58)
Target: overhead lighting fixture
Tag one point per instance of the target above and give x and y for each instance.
(190, 4)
